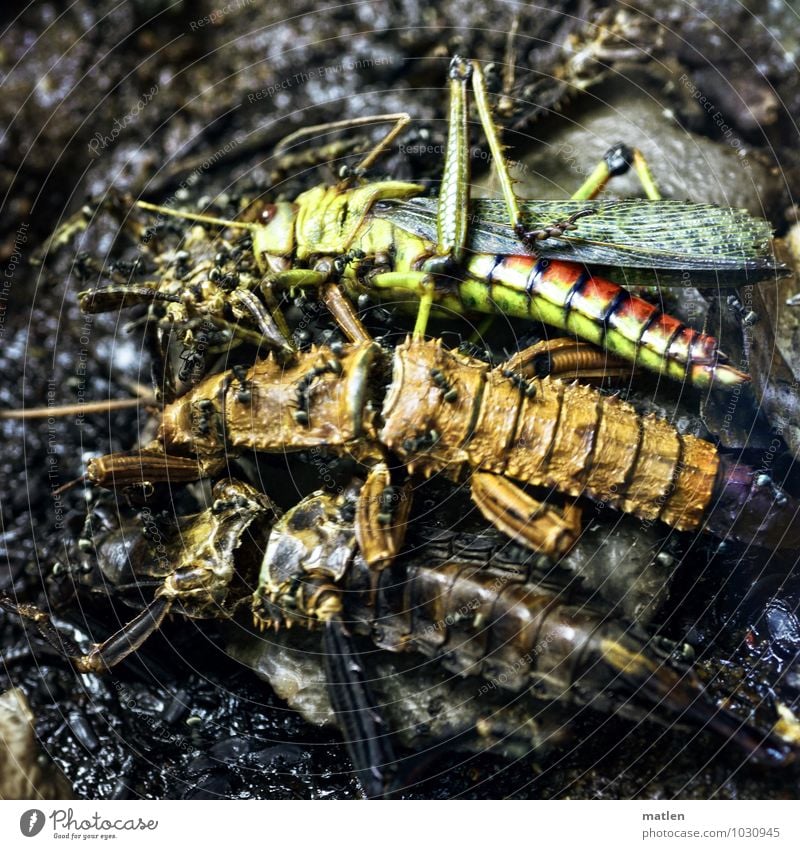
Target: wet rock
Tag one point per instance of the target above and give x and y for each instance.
(774, 346)
(621, 562)
(561, 152)
(422, 705)
(230, 750)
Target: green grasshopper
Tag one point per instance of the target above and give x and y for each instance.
(455, 256)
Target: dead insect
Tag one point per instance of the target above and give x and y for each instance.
(205, 570)
(501, 434)
(448, 254)
(512, 628)
(489, 612)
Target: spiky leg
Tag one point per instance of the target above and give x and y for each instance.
(381, 515)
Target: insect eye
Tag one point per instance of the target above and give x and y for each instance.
(268, 213)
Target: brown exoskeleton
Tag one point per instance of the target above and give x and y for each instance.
(440, 412)
(204, 571)
(495, 616)
(498, 619)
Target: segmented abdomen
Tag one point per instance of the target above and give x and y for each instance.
(529, 635)
(581, 442)
(567, 296)
(543, 432)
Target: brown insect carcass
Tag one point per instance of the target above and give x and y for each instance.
(441, 412)
(498, 618)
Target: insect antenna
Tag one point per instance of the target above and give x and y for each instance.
(194, 216)
(78, 409)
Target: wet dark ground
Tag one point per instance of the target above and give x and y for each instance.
(182, 719)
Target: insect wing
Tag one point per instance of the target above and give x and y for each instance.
(667, 238)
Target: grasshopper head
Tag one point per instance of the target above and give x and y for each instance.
(273, 238)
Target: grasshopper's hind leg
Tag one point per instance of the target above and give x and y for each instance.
(452, 216)
(618, 160)
(537, 525)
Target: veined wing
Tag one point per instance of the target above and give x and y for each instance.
(665, 238)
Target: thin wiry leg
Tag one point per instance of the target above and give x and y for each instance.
(103, 655)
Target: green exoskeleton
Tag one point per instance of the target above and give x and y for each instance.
(453, 255)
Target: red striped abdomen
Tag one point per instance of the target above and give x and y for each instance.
(567, 296)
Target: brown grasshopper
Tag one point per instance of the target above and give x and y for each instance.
(440, 412)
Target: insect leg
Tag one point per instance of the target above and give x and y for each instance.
(493, 140)
(343, 312)
(117, 297)
(566, 358)
(363, 728)
(123, 469)
(452, 216)
(489, 126)
(526, 520)
(162, 374)
(103, 655)
(340, 307)
(421, 282)
(618, 160)
(400, 122)
(381, 515)
(194, 216)
(244, 304)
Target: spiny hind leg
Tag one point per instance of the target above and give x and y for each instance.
(528, 521)
(565, 358)
(618, 160)
(453, 209)
(452, 219)
(452, 214)
(454, 200)
(103, 655)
